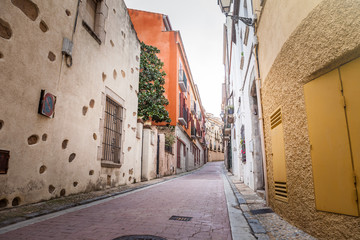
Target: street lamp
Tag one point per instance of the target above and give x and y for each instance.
(225, 8)
(225, 5)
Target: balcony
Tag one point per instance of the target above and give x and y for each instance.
(227, 131)
(198, 132)
(183, 118)
(193, 132)
(193, 107)
(230, 118)
(182, 80)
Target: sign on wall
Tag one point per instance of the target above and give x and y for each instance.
(47, 104)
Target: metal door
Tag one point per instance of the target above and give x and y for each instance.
(350, 78)
(330, 148)
(278, 156)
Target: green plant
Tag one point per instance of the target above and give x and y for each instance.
(169, 139)
(152, 101)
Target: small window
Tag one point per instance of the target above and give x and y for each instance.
(112, 132)
(94, 15)
(91, 13)
(4, 161)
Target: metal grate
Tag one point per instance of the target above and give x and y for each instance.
(140, 237)
(112, 131)
(261, 211)
(281, 192)
(180, 218)
(276, 118)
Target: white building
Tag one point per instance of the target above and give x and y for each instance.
(240, 106)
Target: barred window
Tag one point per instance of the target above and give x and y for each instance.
(112, 131)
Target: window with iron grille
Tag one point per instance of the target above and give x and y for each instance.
(112, 131)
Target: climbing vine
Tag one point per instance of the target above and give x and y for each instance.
(152, 101)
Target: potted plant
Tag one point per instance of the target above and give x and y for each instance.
(230, 109)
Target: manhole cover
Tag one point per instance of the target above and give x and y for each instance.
(261, 211)
(139, 237)
(180, 218)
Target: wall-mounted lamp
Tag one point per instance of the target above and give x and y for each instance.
(247, 21)
(225, 8)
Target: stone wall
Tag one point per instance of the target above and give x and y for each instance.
(216, 156)
(52, 157)
(325, 38)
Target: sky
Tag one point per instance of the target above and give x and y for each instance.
(200, 23)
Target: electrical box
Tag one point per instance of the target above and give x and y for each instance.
(67, 47)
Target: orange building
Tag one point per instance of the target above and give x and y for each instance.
(185, 108)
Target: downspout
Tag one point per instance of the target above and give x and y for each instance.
(158, 157)
(261, 123)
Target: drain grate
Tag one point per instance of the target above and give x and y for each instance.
(261, 211)
(140, 237)
(180, 218)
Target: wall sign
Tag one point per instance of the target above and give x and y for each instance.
(47, 104)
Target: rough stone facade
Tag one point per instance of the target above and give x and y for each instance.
(326, 36)
(52, 157)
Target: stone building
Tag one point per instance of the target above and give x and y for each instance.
(68, 116)
(185, 108)
(214, 138)
(308, 56)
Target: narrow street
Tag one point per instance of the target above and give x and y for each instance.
(199, 195)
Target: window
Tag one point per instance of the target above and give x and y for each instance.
(91, 13)
(112, 132)
(94, 15)
(4, 161)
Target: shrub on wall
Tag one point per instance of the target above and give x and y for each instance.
(152, 101)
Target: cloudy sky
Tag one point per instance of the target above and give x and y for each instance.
(200, 23)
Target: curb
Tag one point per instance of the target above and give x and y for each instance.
(256, 227)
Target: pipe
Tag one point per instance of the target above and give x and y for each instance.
(261, 125)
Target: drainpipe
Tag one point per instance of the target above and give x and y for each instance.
(158, 157)
(261, 123)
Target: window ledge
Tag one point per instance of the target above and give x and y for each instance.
(109, 164)
(92, 33)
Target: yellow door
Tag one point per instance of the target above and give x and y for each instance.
(330, 149)
(278, 156)
(350, 77)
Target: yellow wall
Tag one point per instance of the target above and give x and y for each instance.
(314, 38)
(277, 22)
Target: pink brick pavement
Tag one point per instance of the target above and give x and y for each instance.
(199, 195)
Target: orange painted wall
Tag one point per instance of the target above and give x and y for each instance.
(150, 29)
